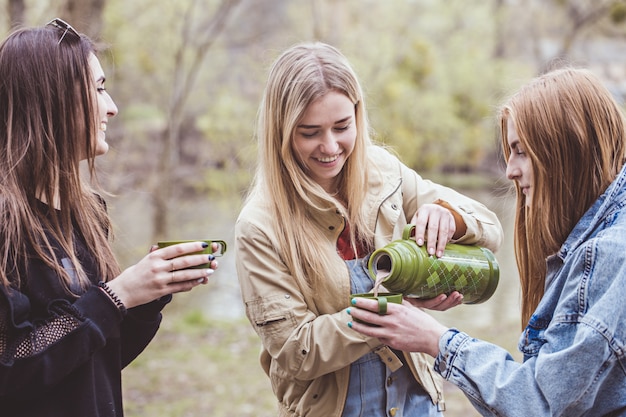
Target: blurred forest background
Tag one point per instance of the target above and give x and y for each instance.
(187, 76)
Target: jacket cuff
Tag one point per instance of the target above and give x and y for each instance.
(450, 345)
(151, 310)
(461, 227)
(96, 306)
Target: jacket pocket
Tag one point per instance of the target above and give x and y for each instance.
(271, 315)
(533, 338)
(288, 390)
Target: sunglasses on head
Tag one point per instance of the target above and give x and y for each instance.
(64, 26)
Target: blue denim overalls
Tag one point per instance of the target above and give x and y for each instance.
(374, 388)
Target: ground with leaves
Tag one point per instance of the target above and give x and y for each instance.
(198, 366)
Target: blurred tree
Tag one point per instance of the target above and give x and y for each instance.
(188, 76)
(580, 16)
(85, 15)
(437, 72)
(188, 59)
(158, 76)
(16, 10)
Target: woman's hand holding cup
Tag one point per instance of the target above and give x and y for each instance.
(169, 269)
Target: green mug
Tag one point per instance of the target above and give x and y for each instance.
(207, 251)
(383, 299)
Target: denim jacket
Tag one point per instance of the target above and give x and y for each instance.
(575, 344)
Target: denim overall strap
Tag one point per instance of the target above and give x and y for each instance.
(374, 388)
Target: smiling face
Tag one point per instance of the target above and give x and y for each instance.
(106, 106)
(324, 138)
(519, 167)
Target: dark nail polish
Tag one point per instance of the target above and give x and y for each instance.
(205, 245)
(211, 257)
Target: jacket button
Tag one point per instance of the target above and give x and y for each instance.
(331, 227)
(394, 206)
(389, 381)
(442, 366)
(393, 411)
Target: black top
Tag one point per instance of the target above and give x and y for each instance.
(62, 355)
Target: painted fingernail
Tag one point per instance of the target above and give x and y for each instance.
(431, 251)
(440, 254)
(420, 242)
(348, 311)
(209, 272)
(350, 324)
(205, 245)
(201, 280)
(211, 257)
(353, 301)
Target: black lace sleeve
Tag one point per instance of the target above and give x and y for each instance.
(21, 339)
(36, 353)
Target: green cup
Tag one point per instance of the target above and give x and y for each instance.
(383, 299)
(207, 251)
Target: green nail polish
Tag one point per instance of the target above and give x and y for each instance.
(353, 301)
(348, 311)
(350, 324)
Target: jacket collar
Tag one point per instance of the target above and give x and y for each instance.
(613, 199)
(383, 182)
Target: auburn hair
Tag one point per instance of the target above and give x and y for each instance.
(573, 131)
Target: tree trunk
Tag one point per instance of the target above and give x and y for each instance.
(195, 46)
(16, 10)
(85, 16)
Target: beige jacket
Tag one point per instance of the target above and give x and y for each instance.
(307, 345)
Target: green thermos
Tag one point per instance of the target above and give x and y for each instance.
(403, 266)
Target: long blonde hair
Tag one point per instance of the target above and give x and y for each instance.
(47, 125)
(573, 131)
(301, 75)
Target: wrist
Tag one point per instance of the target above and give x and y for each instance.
(113, 296)
(436, 334)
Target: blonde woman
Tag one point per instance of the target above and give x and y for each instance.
(564, 137)
(323, 198)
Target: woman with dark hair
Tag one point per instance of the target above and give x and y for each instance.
(70, 320)
(564, 139)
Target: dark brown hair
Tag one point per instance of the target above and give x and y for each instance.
(47, 125)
